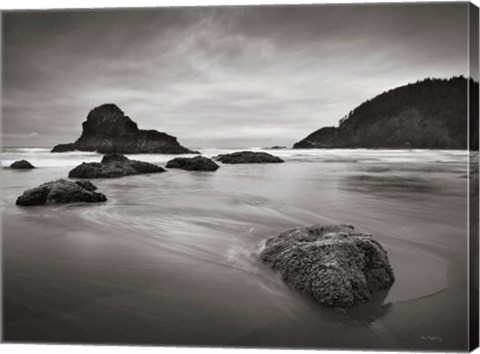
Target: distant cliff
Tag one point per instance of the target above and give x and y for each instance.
(430, 114)
(108, 130)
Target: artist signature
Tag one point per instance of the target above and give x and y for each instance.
(431, 338)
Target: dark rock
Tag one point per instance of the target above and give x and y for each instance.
(61, 192)
(276, 147)
(113, 165)
(63, 148)
(337, 265)
(108, 130)
(89, 186)
(110, 158)
(248, 157)
(198, 163)
(430, 114)
(22, 165)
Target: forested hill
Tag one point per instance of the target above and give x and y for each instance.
(429, 114)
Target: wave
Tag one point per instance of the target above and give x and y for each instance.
(25, 149)
(42, 157)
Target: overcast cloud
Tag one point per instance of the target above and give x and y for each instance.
(229, 77)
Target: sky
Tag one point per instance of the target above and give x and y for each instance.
(234, 77)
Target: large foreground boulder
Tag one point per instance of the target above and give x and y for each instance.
(22, 165)
(61, 192)
(113, 165)
(108, 130)
(197, 163)
(337, 265)
(248, 157)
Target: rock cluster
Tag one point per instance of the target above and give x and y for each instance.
(61, 192)
(197, 163)
(248, 157)
(113, 165)
(337, 265)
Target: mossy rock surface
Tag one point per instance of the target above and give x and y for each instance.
(337, 265)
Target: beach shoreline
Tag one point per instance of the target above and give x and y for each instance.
(171, 259)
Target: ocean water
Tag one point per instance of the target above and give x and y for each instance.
(172, 258)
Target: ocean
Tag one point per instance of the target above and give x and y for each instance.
(172, 258)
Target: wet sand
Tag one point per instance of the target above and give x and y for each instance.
(171, 258)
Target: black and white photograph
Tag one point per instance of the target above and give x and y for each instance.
(296, 176)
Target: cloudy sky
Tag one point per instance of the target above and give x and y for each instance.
(225, 76)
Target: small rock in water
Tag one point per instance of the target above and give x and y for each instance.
(61, 192)
(248, 157)
(276, 147)
(64, 148)
(22, 165)
(113, 165)
(111, 158)
(337, 265)
(197, 163)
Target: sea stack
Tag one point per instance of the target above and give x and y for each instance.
(108, 130)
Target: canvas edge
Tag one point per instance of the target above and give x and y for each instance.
(473, 109)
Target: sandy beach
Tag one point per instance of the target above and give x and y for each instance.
(172, 259)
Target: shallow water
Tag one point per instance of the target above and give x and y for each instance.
(171, 258)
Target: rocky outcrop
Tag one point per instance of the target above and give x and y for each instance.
(113, 165)
(197, 163)
(275, 147)
(61, 192)
(430, 114)
(248, 157)
(22, 165)
(108, 130)
(64, 148)
(337, 265)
